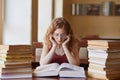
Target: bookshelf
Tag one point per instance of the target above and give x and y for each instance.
(92, 25)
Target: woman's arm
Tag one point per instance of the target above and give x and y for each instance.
(46, 55)
(72, 56)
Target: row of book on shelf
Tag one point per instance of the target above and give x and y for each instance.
(104, 59)
(107, 8)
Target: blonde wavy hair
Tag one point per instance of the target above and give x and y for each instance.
(59, 23)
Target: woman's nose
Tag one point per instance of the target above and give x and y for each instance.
(60, 38)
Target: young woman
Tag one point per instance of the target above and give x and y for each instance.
(60, 45)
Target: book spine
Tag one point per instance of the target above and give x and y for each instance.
(73, 9)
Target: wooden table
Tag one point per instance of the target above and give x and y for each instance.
(55, 78)
(52, 78)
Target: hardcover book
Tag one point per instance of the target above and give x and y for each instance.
(93, 9)
(107, 8)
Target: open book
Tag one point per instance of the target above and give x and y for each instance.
(63, 70)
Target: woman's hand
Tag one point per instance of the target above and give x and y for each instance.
(53, 41)
(66, 41)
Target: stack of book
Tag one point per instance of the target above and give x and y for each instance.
(15, 61)
(3, 55)
(104, 59)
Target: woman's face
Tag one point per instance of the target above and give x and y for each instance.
(59, 35)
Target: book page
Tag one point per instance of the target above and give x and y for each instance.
(67, 66)
(70, 70)
(48, 67)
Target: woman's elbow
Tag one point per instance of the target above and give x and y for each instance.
(42, 62)
(77, 63)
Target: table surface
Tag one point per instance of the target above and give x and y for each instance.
(53, 78)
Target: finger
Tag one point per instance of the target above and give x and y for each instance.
(68, 37)
(50, 37)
